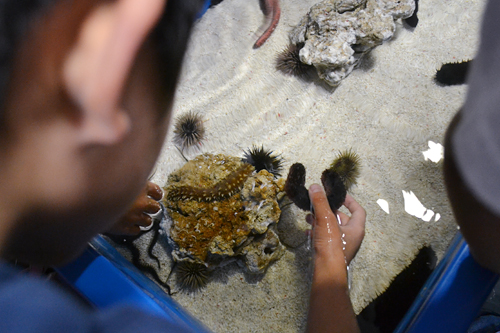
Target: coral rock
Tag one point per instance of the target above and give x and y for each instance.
(217, 228)
(337, 33)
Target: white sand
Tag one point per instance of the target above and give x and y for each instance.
(387, 112)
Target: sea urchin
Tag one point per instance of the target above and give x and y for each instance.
(188, 130)
(289, 62)
(192, 276)
(347, 166)
(261, 159)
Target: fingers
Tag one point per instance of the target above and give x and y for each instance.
(358, 213)
(322, 210)
(326, 232)
(137, 216)
(353, 227)
(154, 191)
(145, 205)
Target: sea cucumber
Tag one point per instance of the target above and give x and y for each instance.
(272, 7)
(412, 21)
(297, 192)
(334, 188)
(295, 187)
(222, 190)
(453, 73)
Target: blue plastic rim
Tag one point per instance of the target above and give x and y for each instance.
(204, 9)
(105, 278)
(453, 295)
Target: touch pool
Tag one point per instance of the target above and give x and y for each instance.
(389, 110)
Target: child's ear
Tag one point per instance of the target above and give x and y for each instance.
(96, 68)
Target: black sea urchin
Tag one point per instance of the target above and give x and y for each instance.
(188, 130)
(295, 186)
(192, 276)
(288, 62)
(262, 159)
(347, 166)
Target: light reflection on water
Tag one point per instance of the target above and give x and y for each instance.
(414, 207)
(435, 152)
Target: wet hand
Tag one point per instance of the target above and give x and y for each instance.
(328, 235)
(137, 216)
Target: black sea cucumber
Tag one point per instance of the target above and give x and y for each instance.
(453, 73)
(271, 7)
(295, 186)
(334, 188)
(412, 21)
(222, 190)
(295, 189)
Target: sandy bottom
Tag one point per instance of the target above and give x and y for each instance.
(387, 111)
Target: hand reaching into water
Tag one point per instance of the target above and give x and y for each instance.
(137, 216)
(330, 308)
(352, 227)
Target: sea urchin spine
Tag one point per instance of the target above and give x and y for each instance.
(262, 159)
(347, 166)
(289, 62)
(192, 276)
(188, 130)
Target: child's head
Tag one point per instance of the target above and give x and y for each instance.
(86, 88)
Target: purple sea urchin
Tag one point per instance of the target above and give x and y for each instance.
(288, 62)
(192, 276)
(188, 130)
(347, 166)
(295, 186)
(261, 159)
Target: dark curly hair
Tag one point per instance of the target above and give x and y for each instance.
(171, 33)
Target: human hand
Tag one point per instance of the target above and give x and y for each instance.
(137, 216)
(328, 233)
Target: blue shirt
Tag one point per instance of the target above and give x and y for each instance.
(31, 304)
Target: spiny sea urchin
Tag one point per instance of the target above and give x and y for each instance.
(192, 276)
(288, 61)
(347, 166)
(261, 159)
(188, 130)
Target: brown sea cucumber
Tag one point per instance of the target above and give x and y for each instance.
(272, 7)
(222, 190)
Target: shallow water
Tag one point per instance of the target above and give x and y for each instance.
(389, 111)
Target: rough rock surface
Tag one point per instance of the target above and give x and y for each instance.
(224, 227)
(335, 34)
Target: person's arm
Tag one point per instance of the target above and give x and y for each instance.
(137, 216)
(330, 308)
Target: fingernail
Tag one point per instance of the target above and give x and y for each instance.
(315, 188)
